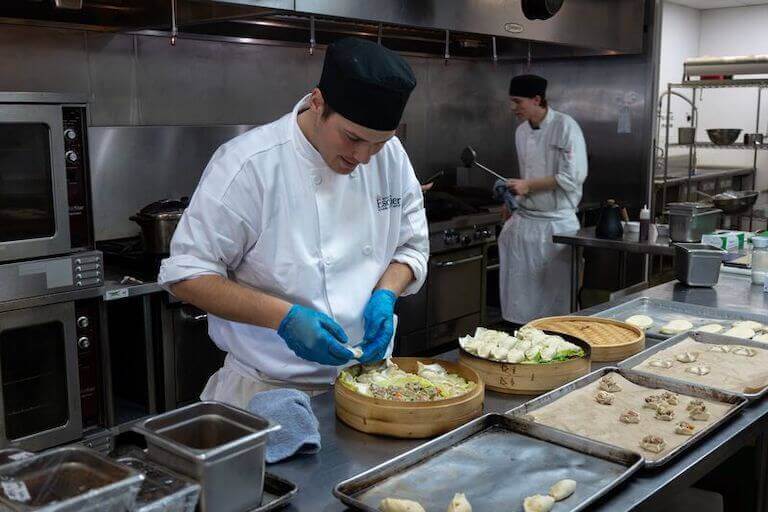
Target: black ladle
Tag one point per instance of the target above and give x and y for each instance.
(469, 158)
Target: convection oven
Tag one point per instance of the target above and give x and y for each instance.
(44, 191)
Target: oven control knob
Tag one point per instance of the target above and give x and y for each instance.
(482, 233)
(466, 240)
(83, 322)
(83, 342)
(70, 133)
(71, 156)
(450, 236)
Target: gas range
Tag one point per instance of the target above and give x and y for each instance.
(463, 231)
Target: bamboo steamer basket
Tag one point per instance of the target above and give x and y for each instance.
(611, 340)
(411, 420)
(529, 379)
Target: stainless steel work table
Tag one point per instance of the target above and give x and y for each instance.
(585, 237)
(346, 452)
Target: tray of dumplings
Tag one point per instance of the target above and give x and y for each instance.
(730, 364)
(493, 460)
(663, 319)
(656, 417)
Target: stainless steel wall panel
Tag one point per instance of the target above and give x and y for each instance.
(132, 166)
(112, 72)
(202, 82)
(42, 60)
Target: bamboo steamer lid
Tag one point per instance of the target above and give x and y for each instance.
(611, 340)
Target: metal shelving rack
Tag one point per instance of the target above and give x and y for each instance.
(695, 85)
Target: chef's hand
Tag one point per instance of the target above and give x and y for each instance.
(314, 336)
(379, 325)
(519, 187)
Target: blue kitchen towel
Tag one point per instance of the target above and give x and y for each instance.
(502, 193)
(290, 409)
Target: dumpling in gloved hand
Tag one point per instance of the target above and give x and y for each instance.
(396, 505)
(459, 503)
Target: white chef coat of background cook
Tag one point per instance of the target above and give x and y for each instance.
(535, 272)
(270, 214)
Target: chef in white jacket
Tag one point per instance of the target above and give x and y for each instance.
(303, 232)
(552, 155)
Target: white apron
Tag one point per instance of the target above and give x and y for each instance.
(535, 274)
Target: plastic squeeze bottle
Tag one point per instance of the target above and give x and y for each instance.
(645, 223)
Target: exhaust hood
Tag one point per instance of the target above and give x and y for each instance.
(556, 28)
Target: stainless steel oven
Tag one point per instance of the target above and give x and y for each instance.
(50, 371)
(44, 192)
(40, 399)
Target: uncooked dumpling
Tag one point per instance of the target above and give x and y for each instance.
(459, 503)
(749, 324)
(761, 337)
(676, 326)
(711, 328)
(701, 369)
(744, 351)
(396, 505)
(661, 363)
(562, 489)
(640, 321)
(654, 444)
(538, 503)
(687, 357)
(740, 332)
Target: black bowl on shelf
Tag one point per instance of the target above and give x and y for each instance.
(723, 136)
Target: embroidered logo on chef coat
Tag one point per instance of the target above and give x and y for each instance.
(386, 202)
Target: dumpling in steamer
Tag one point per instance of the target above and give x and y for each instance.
(515, 356)
(459, 503)
(396, 505)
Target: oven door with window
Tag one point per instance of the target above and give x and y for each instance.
(34, 209)
(40, 398)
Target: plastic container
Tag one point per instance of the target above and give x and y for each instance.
(645, 223)
(162, 490)
(759, 259)
(70, 479)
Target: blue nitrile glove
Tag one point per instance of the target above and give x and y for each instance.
(502, 193)
(314, 336)
(379, 325)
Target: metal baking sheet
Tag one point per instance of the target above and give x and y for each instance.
(652, 382)
(702, 337)
(662, 311)
(278, 492)
(494, 459)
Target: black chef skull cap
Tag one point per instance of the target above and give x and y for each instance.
(528, 86)
(366, 83)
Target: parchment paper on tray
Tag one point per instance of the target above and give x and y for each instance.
(578, 412)
(728, 371)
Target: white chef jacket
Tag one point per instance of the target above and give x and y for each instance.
(535, 272)
(270, 214)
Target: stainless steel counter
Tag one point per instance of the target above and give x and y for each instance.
(346, 452)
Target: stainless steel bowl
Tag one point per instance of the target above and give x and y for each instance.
(735, 202)
(723, 136)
